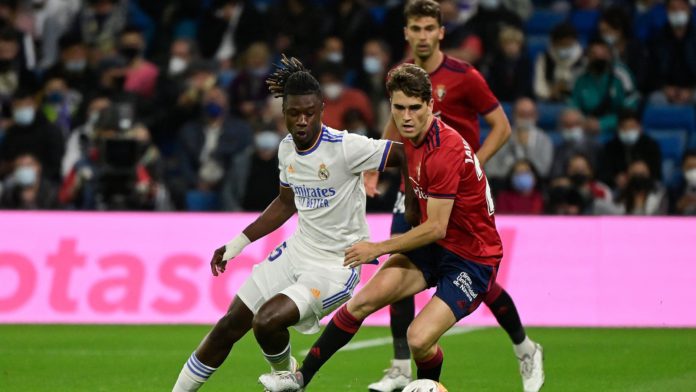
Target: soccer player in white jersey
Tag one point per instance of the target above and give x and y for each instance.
(304, 278)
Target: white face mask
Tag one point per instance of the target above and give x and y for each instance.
(568, 53)
(610, 39)
(25, 176)
(335, 57)
(333, 90)
(177, 65)
(372, 65)
(574, 134)
(489, 4)
(24, 115)
(690, 176)
(678, 18)
(629, 137)
(267, 140)
(524, 124)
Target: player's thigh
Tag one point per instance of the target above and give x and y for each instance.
(397, 279)
(267, 279)
(430, 324)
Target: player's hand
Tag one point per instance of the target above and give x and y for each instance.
(217, 264)
(371, 179)
(361, 253)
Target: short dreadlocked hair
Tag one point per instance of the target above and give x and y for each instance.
(292, 78)
(410, 79)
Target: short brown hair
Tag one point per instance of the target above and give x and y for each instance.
(412, 80)
(423, 8)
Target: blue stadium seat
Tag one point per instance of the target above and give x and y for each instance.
(378, 13)
(556, 138)
(671, 117)
(542, 21)
(548, 114)
(536, 44)
(672, 145)
(585, 22)
(202, 201)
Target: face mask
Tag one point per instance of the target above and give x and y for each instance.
(25, 176)
(610, 39)
(629, 137)
(574, 134)
(335, 57)
(568, 52)
(212, 109)
(76, 65)
(267, 140)
(259, 72)
(598, 66)
(92, 118)
(690, 176)
(578, 179)
(523, 182)
(678, 18)
(372, 65)
(5, 65)
(225, 77)
(129, 52)
(640, 182)
(54, 97)
(333, 90)
(24, 116)
(177, 65)
(489, 4)
(524, 124)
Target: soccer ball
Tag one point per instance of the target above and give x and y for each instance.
(424, 385)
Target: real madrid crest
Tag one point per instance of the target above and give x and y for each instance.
(440, 91)
(323, 172)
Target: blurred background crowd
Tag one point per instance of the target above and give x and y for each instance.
(162, 105)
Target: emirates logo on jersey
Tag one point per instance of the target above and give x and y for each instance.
(323, 172)
(440, 91)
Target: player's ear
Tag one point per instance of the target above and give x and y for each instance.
(405, 36)
(431, 104)
(441, 35)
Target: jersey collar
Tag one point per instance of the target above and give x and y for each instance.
(315, 145)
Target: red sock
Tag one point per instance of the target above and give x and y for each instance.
(432, 367)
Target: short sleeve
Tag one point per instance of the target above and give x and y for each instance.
(443, 167)
(363, 153)
(479, 96)
(283, 175)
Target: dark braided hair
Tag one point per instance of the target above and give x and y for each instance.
(292, 78)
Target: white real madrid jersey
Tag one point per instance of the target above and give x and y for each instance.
(328, 186)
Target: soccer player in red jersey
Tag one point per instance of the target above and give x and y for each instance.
(455, 248)
(460, 95)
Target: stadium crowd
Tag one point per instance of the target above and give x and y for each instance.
(150, 105)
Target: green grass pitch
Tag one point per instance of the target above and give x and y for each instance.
(148, 358)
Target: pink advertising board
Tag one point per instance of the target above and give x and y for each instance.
(68, 267)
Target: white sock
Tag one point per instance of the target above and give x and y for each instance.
(193, 375)
(281, 361)
(404, 365)
(526, 347)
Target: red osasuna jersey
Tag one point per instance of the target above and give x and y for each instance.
(444, 166)
(460, 95)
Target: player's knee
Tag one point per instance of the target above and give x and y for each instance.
(227, 330)
(361, 306)
(267, 321)
(418, 342)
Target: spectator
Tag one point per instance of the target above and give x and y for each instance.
(339, 98)
(489, 20)
(50, 20)
(575, 141)
(31, 134)
(61, 105)
(99, 24)
(351, 21)
(527, 142)
(248, 91)
(631, 144)
(141, 75)
(81, 140)
(596, 197)
(26, 189)
(673, 57)
(522, 195)
(74, 66)
(599, 93)
(556, 70)
(208, 146)
(228, 28)
(509, 73)
(13, 74)
(243, 190)
(331, 50)
(564, 199)
(686, 201)
(297, 27)
(371, 77)
(643, 195)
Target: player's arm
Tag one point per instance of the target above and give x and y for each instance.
(500, 133)
(397, 157)
(433, 229)
(372, 176)
(277, 213)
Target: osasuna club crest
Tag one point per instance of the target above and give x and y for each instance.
(440, 91)
(323, 172)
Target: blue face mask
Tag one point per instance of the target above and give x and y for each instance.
(212, 109)
(25, 176)
(24, 116)
(54, 97)
(523, 182)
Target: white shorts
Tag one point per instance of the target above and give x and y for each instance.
(315, 281)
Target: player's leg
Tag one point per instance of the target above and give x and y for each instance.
(215, 347)
(423, 334)
(528, 353)
(271, 325)
(401, 313)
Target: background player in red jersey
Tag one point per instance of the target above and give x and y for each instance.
(460, 96)
(455, 248)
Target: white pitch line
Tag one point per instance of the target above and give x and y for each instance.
(376, 342)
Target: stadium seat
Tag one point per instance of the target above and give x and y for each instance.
(541, 22)
(548, 114)
(556, 138)
(585, 22)
(202, 201)
(536, 44)
(378, 14)
(671, 117)
(672, 145)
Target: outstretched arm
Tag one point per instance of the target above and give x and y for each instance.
(277, 213)
(500, 133)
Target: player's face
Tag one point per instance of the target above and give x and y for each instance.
(424, 35)
(412, 115)
(303, 118)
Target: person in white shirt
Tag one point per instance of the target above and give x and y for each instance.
(303, 279)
